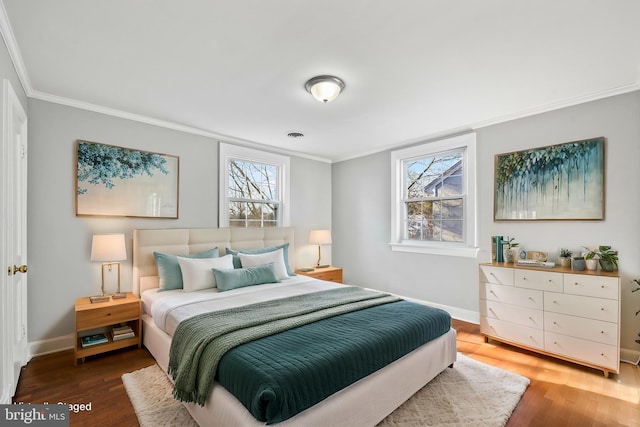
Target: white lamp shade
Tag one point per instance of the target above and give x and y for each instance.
(108, 247)
(320, 237)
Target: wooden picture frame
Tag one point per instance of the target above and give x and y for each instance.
(118, 181)
(557, 182)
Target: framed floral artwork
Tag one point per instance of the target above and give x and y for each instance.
(117, 181)
(557, 182)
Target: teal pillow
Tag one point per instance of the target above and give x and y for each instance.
(169, 269)
(285, 251)
(241, 277)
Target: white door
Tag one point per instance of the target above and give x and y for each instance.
(14, 352)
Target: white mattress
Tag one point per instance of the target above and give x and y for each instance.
(364, 403)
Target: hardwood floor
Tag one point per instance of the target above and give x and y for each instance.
(560, 393)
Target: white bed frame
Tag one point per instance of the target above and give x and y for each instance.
(364, 403)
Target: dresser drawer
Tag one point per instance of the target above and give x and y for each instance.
(96, 317)
(510, 295)
(512, 313)
(579, 327)
(592, 286)
(524, 335)
(583, 350)
(330, 276)
(497, 275)
(542, 280)
(576, 305)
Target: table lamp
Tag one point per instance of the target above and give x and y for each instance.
(320, 237)
(108, 248)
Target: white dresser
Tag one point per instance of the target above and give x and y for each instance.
(572, 315)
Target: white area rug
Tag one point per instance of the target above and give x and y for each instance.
(470, 394)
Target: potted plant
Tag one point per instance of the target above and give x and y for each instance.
(565, 258)
(608, 258)
(590, 259)
(637, 282)
(507, 249)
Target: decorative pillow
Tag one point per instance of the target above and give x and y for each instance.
(284, 247)
(169, 270)
(197, 274)
(241, 277)
(276, 257)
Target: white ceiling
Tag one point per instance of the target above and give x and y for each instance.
(414, 69)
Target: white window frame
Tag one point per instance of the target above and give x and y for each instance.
(467, 248)
(230, 152)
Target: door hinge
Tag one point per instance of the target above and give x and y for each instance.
(23, 151)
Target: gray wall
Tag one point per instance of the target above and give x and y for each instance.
(361, 215)
(59, 242)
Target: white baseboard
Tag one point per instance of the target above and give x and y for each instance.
(455, 312)
(630, 356)
(51, 345)
(5, 399)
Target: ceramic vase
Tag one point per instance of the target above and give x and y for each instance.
(578, 264)
(507, 252)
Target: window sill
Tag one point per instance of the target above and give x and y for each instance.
(433, 250)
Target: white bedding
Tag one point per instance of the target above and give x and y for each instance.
(169, 308)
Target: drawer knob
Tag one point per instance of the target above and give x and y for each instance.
(550, 280)
(524, 278)
(602, 309)
(555, 342)
(555, 323)
(531, 298)
(555, 302)
(602, 332)
(576, 283)
(108, 314)
(602, 354)
(602, 286)
(491, 292)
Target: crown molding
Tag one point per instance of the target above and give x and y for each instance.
(14, 52)
(619, 90)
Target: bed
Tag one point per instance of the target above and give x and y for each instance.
(365, 402)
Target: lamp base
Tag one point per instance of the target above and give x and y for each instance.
(99, 298)
(322, 266)
(119, 295)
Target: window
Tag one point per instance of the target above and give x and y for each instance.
(254, 188)
(433, 197)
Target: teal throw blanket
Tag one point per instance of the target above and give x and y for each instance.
(200, 342)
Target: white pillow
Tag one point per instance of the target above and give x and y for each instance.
(276, 257)
(197, 273)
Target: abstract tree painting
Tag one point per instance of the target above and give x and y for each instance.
(116, 181)
(559, 182)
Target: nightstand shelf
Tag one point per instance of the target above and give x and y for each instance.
(330, 274)
(100, 317)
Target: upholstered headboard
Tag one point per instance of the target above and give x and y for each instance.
(191, 240)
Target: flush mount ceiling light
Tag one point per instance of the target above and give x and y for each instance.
(324, 88)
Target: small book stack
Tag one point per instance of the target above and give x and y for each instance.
(92, 340)
(122, 332)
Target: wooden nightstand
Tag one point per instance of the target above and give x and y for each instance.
(100, 317)
(330, 274)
